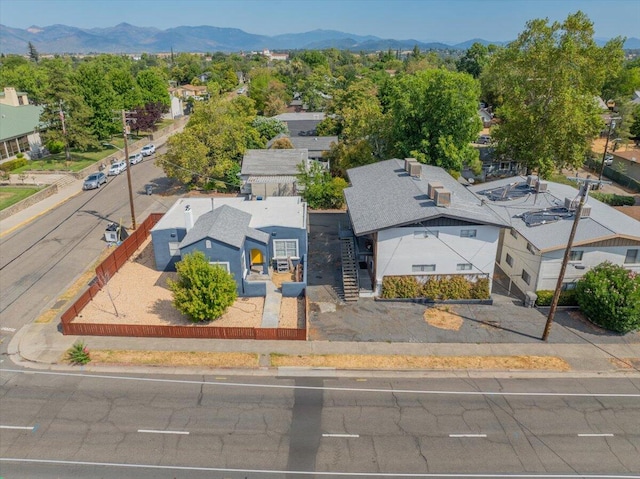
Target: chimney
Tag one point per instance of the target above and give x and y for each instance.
(188, 217)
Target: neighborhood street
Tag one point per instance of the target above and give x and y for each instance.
(121, 425)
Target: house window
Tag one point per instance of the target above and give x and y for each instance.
(468, 233)
(223, 264)
(568, 286)
(526, 277)
(505, 165)
(285, 248)
(464, 266)
(174, 249)
(530, 248)
(423, 268)
(575, 255)
(207, 244)
(513, 233)
(509, 260)
(631, 257)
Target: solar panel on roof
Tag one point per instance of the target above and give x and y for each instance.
(549, 215)
(509, 192)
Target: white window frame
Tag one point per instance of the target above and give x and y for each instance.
(526, 277)
(468, 233)
(530, 248)
(464, 267)
(224, 264)
(576, 255)
(627, 257)
(174, 248)
(509, 260)
(275, 249)
(423, 268)
(513, 233)
(207, 244)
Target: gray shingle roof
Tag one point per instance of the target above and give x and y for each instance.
(225, 224)
(273, 162)
(384, 195)
(603, 221)
(314, 143)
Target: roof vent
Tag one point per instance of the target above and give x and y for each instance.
(407, 163)
(432, 186)
(586, 211)
(442, 197)
(415, 169)
(531, 180)
(571, 203)
(542, 186)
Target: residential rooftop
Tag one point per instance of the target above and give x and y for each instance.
(18, 120)
(273, 162)
(302, 116)
(384, 195)
(552, 232)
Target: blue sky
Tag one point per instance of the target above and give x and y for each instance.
(449, 21)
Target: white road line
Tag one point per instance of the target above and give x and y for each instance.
(336, 389)
(467, 435)
(153, 431)
(341, 435)
(319, 473)
(596, 435)
(29, 428)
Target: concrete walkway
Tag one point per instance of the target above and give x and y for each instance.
(271, 310)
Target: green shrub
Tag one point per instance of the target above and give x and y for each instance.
(203, 292)
(14, 164)
(480, 289)
(609, 295)
(20, 156)
(400, 287)
(55, 146)
(78, 353)
(455, 287)
(613, 199)
(437, 289)
(567, 298)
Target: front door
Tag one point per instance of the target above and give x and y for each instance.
(256, 257)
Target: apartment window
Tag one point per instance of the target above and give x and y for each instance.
(464, 266)
(575, 255)
(505, 165)
(526, 277)
(509, 260)
(423, 268)
(174, 249)
(568, 286)
(285, 248)
(223, 264)
(530, 248)
(207, 244)
(632, 256)
(513, 233)
(424, 233)
(468, 233)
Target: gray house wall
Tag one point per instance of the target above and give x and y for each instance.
(281, 232)
(161, 240)
(223, 253)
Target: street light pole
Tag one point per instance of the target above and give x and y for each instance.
(126, 156)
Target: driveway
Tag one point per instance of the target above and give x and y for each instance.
(368, 320)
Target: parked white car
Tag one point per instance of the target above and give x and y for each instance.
(148, 150)
(135, 158)
(117, 168)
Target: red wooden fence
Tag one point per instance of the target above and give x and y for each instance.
(110, 266)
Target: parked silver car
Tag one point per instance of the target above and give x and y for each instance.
(94, 180)
(117, 168)
(135, 158)
(148, 150)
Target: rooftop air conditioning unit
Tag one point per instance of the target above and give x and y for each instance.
(542, 186)
(432, 186)
(443, 197)
(415, 169)
(531, 180)
(571, 203)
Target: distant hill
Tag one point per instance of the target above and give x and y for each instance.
(126, 38)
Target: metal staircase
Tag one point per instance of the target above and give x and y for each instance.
(349, 269)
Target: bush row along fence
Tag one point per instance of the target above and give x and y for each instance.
(110, 266)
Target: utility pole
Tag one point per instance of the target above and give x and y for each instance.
(126, 156)
(584, 190)
(67, 154)
(612, 125)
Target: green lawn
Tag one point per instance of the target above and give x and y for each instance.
(10, 195)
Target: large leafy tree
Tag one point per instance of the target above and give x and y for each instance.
(473, 60)
(24, 76)
(100, 97)
(319, 189)
(545, 83)
(270, 127)
(203, 292)
(434, 118)
(153, 87)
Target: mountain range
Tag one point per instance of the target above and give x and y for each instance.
(126, 38)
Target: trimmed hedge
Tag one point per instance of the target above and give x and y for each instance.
(14, 164)
(613, 199)
(567, 298)
(439, 289)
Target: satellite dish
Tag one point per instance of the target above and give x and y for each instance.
(471, 180)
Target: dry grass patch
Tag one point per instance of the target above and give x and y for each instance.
(279, 278)
(442, 318)
(174, 358)
(353, 361)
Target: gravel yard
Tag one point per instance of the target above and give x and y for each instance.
(138, 294)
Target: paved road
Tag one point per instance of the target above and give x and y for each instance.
(301, 427)
(39, 260)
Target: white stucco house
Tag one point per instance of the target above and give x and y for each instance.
(413, 219)
(540, 215)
